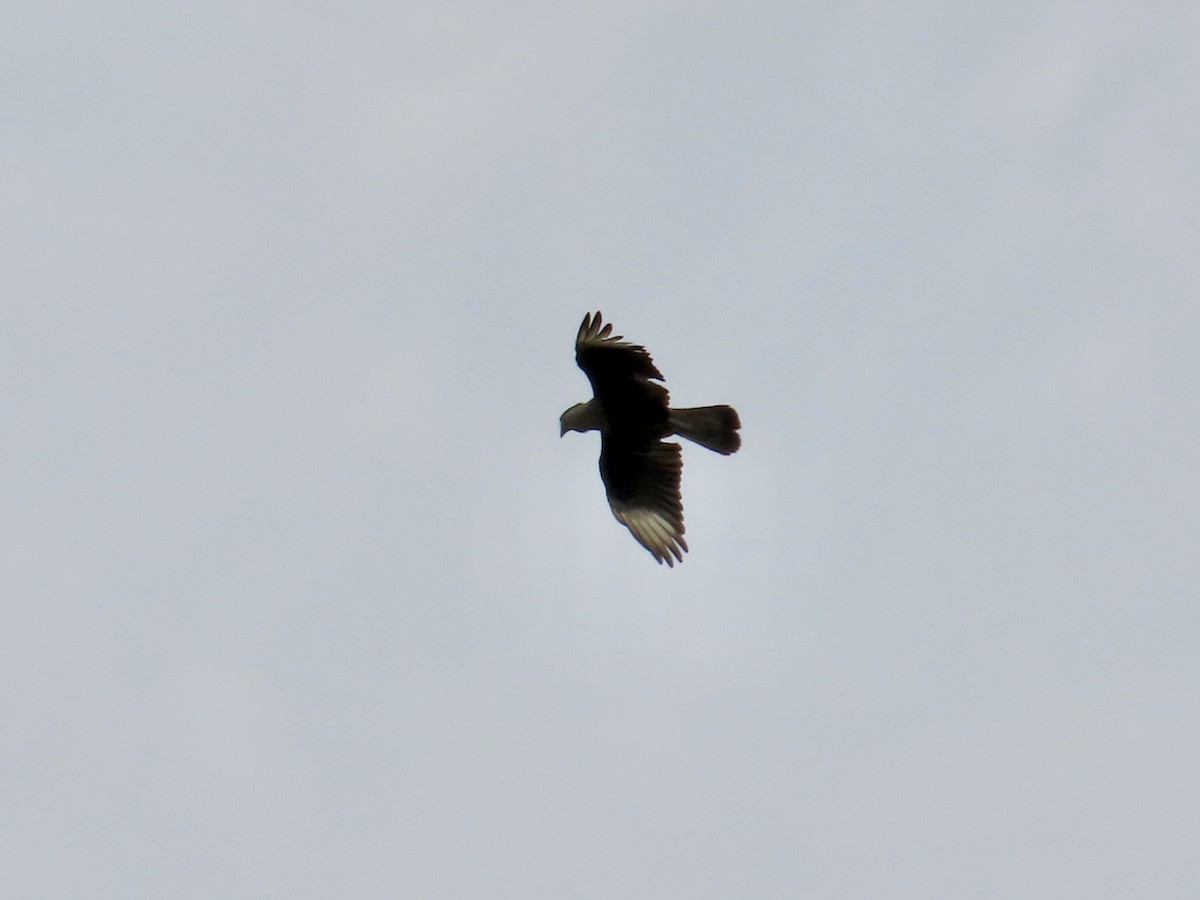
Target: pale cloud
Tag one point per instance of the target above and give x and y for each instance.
(308, 597)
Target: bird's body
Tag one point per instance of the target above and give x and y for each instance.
(630, 409)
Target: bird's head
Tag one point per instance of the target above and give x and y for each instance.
(580, 417)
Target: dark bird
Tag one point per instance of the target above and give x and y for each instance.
(631, 411)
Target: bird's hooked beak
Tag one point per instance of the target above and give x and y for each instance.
(562, 427)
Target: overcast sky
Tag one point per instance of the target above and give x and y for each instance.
(305, 597)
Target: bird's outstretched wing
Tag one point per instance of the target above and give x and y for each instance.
(623, 375)
(642, 483)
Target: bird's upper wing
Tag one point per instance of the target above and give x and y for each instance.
(642, 482)
(623, 375)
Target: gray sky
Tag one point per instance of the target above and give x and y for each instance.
(307, 598)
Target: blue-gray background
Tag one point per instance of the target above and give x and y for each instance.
(304, 597)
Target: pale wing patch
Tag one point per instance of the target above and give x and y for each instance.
(659, 533)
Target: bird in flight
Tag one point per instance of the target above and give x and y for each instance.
(630, 409)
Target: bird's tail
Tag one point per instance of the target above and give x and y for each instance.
(714, 427)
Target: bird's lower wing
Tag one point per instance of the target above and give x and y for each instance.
(642, 482)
